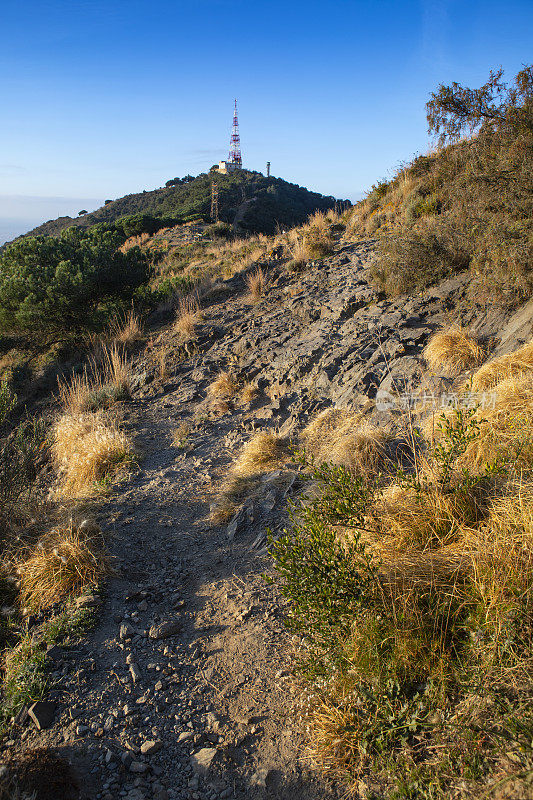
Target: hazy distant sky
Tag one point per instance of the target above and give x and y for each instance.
(99, 99)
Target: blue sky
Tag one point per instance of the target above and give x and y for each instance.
(99, 99)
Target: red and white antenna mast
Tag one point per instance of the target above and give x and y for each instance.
(235, 157)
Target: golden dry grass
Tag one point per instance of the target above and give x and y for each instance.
(264, 452)
(135, 241)
(89, 448)
(257, 284)
(64, 562)
(248, 394)
(224, 387)
(188, 315)
(343, 438)
(107, 379)
(502, 551)
(299, 253)
(505, 420)
(429, 520)
(508, 366)
(127, 330)
(452, 351)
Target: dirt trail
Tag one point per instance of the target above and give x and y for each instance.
(210, 711)
(218, 686)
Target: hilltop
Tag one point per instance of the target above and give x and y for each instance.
(260, 204)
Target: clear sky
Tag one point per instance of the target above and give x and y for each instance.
(100, 98)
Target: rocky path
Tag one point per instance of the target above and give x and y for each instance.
(183, 691)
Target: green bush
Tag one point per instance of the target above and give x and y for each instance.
(136, 224)
(326, 579)
(50, 286)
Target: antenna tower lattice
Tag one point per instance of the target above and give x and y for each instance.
(235, 142)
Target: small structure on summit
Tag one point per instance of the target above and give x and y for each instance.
(234, 161)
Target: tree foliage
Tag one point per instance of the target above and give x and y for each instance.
(49, 285)
(455, 110)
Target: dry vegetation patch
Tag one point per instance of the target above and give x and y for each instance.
(264, 452)
(452, 351)
(342, 437)
(411, 585)
(188, 315)
(65, 561)
(127, 330)
(223, 387)
(105, 381)
(90, 449)
(509, 366)
(257, 283)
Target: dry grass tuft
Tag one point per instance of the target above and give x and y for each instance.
(248, 394)
(188, 315)
(257, 284)
(299, 254)
(127, 330)
(509, 366)
(64, 562)
(262, 453)
(429, 520)
(342, 438)
(453, 351)
(107, 380)
(223, 387)
(89, 449)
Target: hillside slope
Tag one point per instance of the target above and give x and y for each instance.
(276, 203)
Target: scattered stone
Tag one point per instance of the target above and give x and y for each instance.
(201, 760)
(135, 673)
(165, 629)
(42, 713)
(88, 601)
(125, 631)
(138, 767)
(150, 747)
(261, 778)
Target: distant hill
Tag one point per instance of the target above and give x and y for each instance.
(256, 203)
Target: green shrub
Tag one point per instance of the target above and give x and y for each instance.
(136, 224)
(326, 579)
(469, 203)
(52, 285)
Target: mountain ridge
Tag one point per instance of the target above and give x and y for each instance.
(277, 203)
